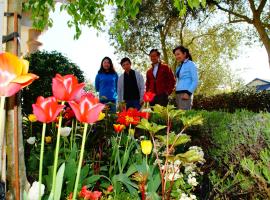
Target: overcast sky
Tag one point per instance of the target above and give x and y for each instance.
(88, 51)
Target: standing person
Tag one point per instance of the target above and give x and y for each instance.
(187, 78)
(130, 86)
(159, 79)
(106, 83)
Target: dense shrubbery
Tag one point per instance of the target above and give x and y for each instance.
(238, 150)
(46, 65)
(246, 99)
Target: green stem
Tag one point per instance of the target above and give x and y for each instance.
(72, 134)
(80, 162)
(76, 127)
(41, 160)
(126, 145)
(55, 163)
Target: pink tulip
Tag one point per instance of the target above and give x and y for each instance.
(46, 109)
(87, 109)
(66, 88)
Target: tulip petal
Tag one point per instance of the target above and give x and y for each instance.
(77, 91)
(10, 90)
(25, 80)
(76, 109)
(25, 65)
(93, 114)
(58, 89)
(40, 113)
(10, 63)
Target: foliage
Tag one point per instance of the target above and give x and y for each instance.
(237, 149)
(254, 13)
(46, 65)
(91, 12)
(211, 42)
(230, 102)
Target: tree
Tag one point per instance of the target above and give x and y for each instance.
(91, 12)
(212, 44)
(46, 65)
(255, 13)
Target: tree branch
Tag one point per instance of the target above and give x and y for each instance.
(197, 37)
(261, 6)
(252, 6)
(247, 19)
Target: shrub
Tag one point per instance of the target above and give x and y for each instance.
(46, 65)
(237, 146)
(230, 102)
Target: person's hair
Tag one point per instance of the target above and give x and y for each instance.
(125, 60)
(111, 69)
(183, 50)
(155, 50)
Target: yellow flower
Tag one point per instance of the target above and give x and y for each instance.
(146, 146)
(48, 139)
(101, 116)
(32, 118)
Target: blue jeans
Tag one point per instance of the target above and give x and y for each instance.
(110, 103)
(133, 104)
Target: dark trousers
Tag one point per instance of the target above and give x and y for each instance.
(161, 99)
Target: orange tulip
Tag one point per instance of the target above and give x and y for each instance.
(118, 127)
(13, 74)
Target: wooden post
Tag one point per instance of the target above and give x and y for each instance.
(16, 173)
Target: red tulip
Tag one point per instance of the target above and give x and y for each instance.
(118, 127)
(47, 109)
(13, 74)
(88, 109)
(66, 88)
(148, 96)
(110, 188)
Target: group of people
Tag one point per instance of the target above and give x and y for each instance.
(130, 86)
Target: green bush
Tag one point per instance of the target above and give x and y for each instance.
(237, 146)
(230, 102)
(46, 65)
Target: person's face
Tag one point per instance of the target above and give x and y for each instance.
(106, 64)
(180, 56)
(154, 57)
(126, 66)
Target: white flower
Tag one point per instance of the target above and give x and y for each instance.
(65, 131)
(177, 162)
(189, 167)
(184, 197)
(33, 191)
(192, 181)
(31, 140)
(193, 197)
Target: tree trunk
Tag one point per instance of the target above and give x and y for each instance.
(263, 35)
(163, 46)
(14, 6)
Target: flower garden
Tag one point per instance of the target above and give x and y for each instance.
(75, 148)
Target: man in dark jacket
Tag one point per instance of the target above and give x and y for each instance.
(159, 79)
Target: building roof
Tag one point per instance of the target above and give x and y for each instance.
(257, 81)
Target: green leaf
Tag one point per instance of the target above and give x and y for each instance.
(59, 182)
(91, 179)
(84, 172)
(175, 140)
(152, 128)
(123, 178)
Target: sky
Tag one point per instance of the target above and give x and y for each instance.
(88, 51)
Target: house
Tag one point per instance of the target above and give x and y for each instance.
(259, 84)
